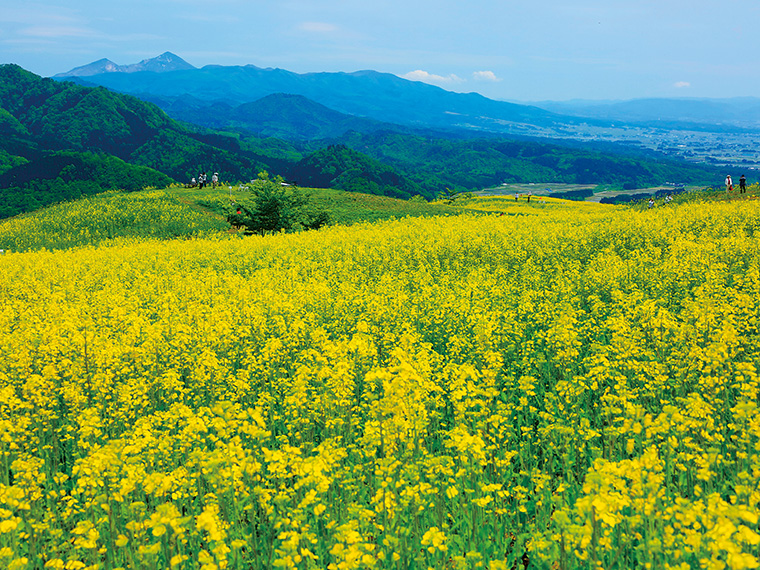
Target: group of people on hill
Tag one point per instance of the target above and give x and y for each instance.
(202, 180)
(668, 200)
(729, 188)
(742, 184)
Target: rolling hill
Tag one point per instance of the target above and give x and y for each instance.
(280, 115)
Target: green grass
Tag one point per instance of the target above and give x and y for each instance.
(345, 208)
(109, 216)
(177, 212)
(538, 188)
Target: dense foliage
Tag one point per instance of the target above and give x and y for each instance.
(60, 176)
(337, 166)
(436, 163)
(271, 206)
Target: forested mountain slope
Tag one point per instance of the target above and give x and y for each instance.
(111, 140)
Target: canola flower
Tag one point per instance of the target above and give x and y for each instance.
(564, 388)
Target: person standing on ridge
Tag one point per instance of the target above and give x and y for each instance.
(742, 184)
(729, 183)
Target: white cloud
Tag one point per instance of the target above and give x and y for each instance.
(681, 84)
(431, 78)
(485, 76)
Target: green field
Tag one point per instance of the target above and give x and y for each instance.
(176, 212)
(538, 189)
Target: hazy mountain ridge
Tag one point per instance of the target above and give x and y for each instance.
(742, 112)
(163, 63)
(391, 99)
(280, 115)
(368, 94)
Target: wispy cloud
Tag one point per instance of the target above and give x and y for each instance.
(318, 27)
(485, 76)
(34, 14)
(212, 55)
(222, 18)
(204, 3)
(425, 77)
(681, 84)
(58, 32)
(81, 33)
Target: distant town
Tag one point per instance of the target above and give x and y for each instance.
(730, 149)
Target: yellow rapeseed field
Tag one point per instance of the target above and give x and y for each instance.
(561, 387)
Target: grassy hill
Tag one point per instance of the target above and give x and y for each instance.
(60, 141)
(179, 212)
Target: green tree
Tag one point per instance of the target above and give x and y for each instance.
(275, 207)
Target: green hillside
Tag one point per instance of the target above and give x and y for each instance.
(338, 166)
(482, 163)
(61, 141)
(48, 115)
(60, 176)
(176, 211)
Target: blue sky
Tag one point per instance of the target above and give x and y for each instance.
(521, 50)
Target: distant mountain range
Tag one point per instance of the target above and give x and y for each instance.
(221, 96)
(280, 115)
(165, 62)
(368, 94)
(740, 112)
